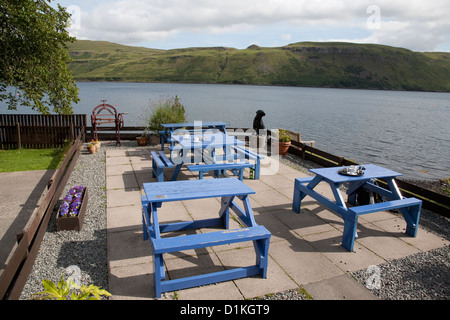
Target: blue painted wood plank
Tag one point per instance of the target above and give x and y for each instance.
(219, 166)
(190, 225)
(195, 189)
(210, 239)
(371, 172)
(201, 280)
(157, 159)
(168, 163)
(383, 206)
(192, 124)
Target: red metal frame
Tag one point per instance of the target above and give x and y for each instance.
(110, 115)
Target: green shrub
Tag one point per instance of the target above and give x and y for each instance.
(165, 110)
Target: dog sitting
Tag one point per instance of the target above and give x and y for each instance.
(258, 123)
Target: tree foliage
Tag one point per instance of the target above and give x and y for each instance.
(34, 60)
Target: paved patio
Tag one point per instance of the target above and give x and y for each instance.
(304, 251)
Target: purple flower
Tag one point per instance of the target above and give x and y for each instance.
(73, 213)
(72, 202)
(64, 209)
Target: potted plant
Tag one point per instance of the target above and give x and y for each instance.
(72, 210)
(92, 148)
(142, 140)
(284, 142)
(97, 144)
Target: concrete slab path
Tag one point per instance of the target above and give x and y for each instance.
(20, 195)
(305, 249)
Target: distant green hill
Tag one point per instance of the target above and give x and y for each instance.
(337, 65)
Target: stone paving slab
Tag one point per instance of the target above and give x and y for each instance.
(305, 249)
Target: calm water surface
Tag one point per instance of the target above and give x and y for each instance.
(405, 131)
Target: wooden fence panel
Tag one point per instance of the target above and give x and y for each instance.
(14, 277)
(39, 131)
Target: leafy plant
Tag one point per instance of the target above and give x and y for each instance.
(34, 69)
(68, 290)
(446, 187)
(284, 136)
(166, 110)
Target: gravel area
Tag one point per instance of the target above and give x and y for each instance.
(422, 276)
(84, 251)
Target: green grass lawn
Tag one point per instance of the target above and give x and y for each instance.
(31, 159)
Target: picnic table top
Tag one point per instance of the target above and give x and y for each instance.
(217, 139)
(192, 124)
(371, 172)
(195, 189)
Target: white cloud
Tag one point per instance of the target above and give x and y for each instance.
(415, 24)
(286, 37)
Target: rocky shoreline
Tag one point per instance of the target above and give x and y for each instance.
(441, 186)
(423, 276)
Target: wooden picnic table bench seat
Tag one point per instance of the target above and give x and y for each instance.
(250, 155)
(412, 205)
(384, 206)
(217, 167)
(159, 162)
(210, 239)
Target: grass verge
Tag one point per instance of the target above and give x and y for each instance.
(31, 159)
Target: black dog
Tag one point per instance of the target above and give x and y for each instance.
(258, 122)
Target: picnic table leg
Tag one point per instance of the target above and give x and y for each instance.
(299, 194)
(224, 212)
(157, 172)
(176, 172)
(144, 225)
(411, 214)
(163, 140)
(158, 277)
(262, 255)
(241, 174)
(412, 217)
(257, 168)
(348, 239)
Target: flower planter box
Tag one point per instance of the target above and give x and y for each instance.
(73, 223)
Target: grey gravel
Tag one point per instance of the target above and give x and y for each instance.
(86, 249)
(424, 276)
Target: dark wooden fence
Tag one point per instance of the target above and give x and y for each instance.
(22, 257)
(39, 131)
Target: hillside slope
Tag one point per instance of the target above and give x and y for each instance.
(338, 65)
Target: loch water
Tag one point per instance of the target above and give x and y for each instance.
(408, 132)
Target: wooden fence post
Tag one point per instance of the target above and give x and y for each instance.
(19, 143)
(72, 132)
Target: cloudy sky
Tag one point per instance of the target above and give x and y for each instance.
(420, 25)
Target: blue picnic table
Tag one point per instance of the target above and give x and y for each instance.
(203, 147)
(230, 191)
(204, 152)
(170, 128)
(409, 207)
